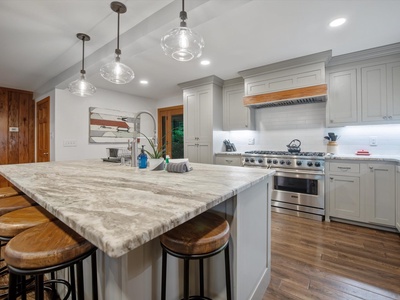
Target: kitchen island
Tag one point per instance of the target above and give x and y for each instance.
(122, 210)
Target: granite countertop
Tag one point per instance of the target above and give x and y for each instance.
(118, 208)
(375, 157)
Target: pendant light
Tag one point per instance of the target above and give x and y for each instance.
(81, 87)
(115, 71)
(182, 43)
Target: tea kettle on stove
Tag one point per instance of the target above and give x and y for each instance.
(294, 146)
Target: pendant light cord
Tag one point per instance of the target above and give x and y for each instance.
(83, 56)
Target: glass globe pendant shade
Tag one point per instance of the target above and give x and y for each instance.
(182, 44)
(117, 72)
(81, 87)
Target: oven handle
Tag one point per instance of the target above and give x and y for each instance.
(308, 175)
(291, 171)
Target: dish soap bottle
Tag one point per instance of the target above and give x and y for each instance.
(142, 159)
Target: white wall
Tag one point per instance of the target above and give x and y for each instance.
(72, 121)
(277, 126)
(172, 101)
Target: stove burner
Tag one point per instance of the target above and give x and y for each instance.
(319, 154)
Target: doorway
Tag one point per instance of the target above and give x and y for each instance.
(170, 130)
(43, 130)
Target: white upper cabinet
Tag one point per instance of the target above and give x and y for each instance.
(373, 93)
(342, 103)
(236, 116)
(393, 91)
(202, 117)
(364, 87)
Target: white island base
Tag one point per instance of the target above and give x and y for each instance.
(137, 275)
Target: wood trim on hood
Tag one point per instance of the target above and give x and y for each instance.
(299, 93)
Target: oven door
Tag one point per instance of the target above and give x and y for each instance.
(299, 188)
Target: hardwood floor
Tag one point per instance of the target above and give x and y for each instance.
(321, 260)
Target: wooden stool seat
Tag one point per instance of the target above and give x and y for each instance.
(202, 237)
(13, 203)
(202, 234)
(19, 220)
(9, 191)
(45, 245)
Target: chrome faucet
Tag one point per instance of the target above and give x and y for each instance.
(136, 133)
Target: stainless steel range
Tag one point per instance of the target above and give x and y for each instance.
(298, 187)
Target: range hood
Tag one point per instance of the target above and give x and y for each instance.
(304, 95)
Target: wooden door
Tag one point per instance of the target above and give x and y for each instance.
(170, 130)
(17, 128)
(43, 130)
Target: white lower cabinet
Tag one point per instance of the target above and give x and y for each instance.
(381, 194)
(228, 160)
(199, 153)
(344, 195)
(363, 192)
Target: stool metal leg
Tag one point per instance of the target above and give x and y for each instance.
(94, 276)
(81, 293)
(73, 286)
(228, 274)
(164, 275)
(12, 283)
(186, 279)
(201, 268)
(39, 292)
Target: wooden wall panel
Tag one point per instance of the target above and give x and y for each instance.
(17, 109)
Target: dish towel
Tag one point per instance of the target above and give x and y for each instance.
(181, 167)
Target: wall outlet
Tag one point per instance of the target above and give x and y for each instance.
(251, 141)
(373, 141)
(69, 143)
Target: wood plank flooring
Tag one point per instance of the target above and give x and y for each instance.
(322, 260)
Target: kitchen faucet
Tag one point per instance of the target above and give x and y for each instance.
(136, 133)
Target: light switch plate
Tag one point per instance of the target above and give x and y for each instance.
(373, 141)
(69, 143)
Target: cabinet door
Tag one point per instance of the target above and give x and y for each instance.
(393, 91)
(236, 116)
(373, 93)
(342, 102)
(381, 194)
(204, 114)
(191, 152)
(190, 116)
(204, 153)
(344, 197)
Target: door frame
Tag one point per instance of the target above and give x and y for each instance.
(38, 133)
(168, 112)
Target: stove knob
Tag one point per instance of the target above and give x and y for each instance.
(288, 162)
(275, 161)
(246, 160)
(282, 162)
(299, 163)
(260, 161)
(317, 164)
(251, 160)
(269, 161)
(309, 163)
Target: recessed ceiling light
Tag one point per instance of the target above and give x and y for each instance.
(144, 82)
(337, 22)
(205, 62)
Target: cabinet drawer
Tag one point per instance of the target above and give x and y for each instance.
(344, 168)
(230, 160)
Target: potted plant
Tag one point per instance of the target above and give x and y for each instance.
(156, 155)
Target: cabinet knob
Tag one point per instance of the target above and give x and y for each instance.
(390, 117)
(331, 178)
(385, 117)
(371, 168)
(331, 121)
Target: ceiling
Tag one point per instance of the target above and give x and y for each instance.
(40, 51)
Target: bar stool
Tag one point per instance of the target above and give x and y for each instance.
(17, 221)
(15, 202)
(9, 191)
(201, 237)
(46, 248)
